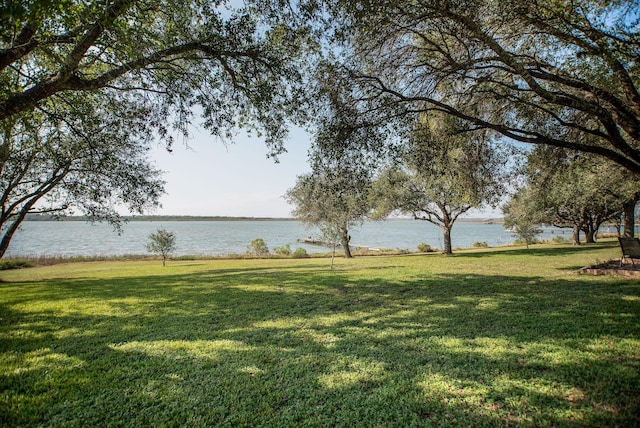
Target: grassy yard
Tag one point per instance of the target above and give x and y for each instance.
(506, 337)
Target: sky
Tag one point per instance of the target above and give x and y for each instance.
(209, 178)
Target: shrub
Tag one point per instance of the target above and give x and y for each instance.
(283, 251)
(300, 253)
(526, 242)
(258, 248)
(424, 248)
(559, 239)
(480, 244)
(15, 264)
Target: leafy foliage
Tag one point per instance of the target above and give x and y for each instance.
(521, 216)
(258, 248)
(170, 58)
(285, 250)
(558, 73)
(85, 87)
(15, 264)
(334, 201)
(573, 190)
(83, 158)
(300, 253)
(335, 195)
(424, 248)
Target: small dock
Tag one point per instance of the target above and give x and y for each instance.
(321, 243)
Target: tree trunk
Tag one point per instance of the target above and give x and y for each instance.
(345, 238)
(446, 231)
(333, 254)
(6, 239)
(629, 217)
(589, 230)
(14, 226)
(576, 235)
(590, 235)
(596, 229)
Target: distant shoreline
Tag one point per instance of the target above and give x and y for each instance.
(152, 218)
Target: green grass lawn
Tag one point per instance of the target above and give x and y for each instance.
(507, 337)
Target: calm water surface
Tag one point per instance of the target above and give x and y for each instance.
(71, 238)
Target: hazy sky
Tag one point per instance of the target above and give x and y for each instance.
(211, 179)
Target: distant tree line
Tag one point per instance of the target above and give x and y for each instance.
(49, 217)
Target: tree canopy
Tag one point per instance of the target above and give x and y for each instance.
(557, 73)
(573, 190)
(79, 158)
(333, 197)
(171, 58)
(554, 73)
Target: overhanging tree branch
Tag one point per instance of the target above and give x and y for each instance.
(627, 156)
(18, 102)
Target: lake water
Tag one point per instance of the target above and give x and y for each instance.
(72, 238)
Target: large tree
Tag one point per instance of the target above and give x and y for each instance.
(445, 171)
(79, 159)
(558, 73)
(86, 86)
(335, 195)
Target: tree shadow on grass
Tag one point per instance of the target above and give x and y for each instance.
(541, 251)
(298, 346)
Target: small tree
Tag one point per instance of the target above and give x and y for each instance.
(333, 198)
(334, 233)
(522, 217)
(285, 250)
(162, 242)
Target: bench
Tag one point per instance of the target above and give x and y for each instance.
(630, 250)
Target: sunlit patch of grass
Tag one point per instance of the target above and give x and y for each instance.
(349, 372)
(496, 337)
(180, 349)
(38, 360)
